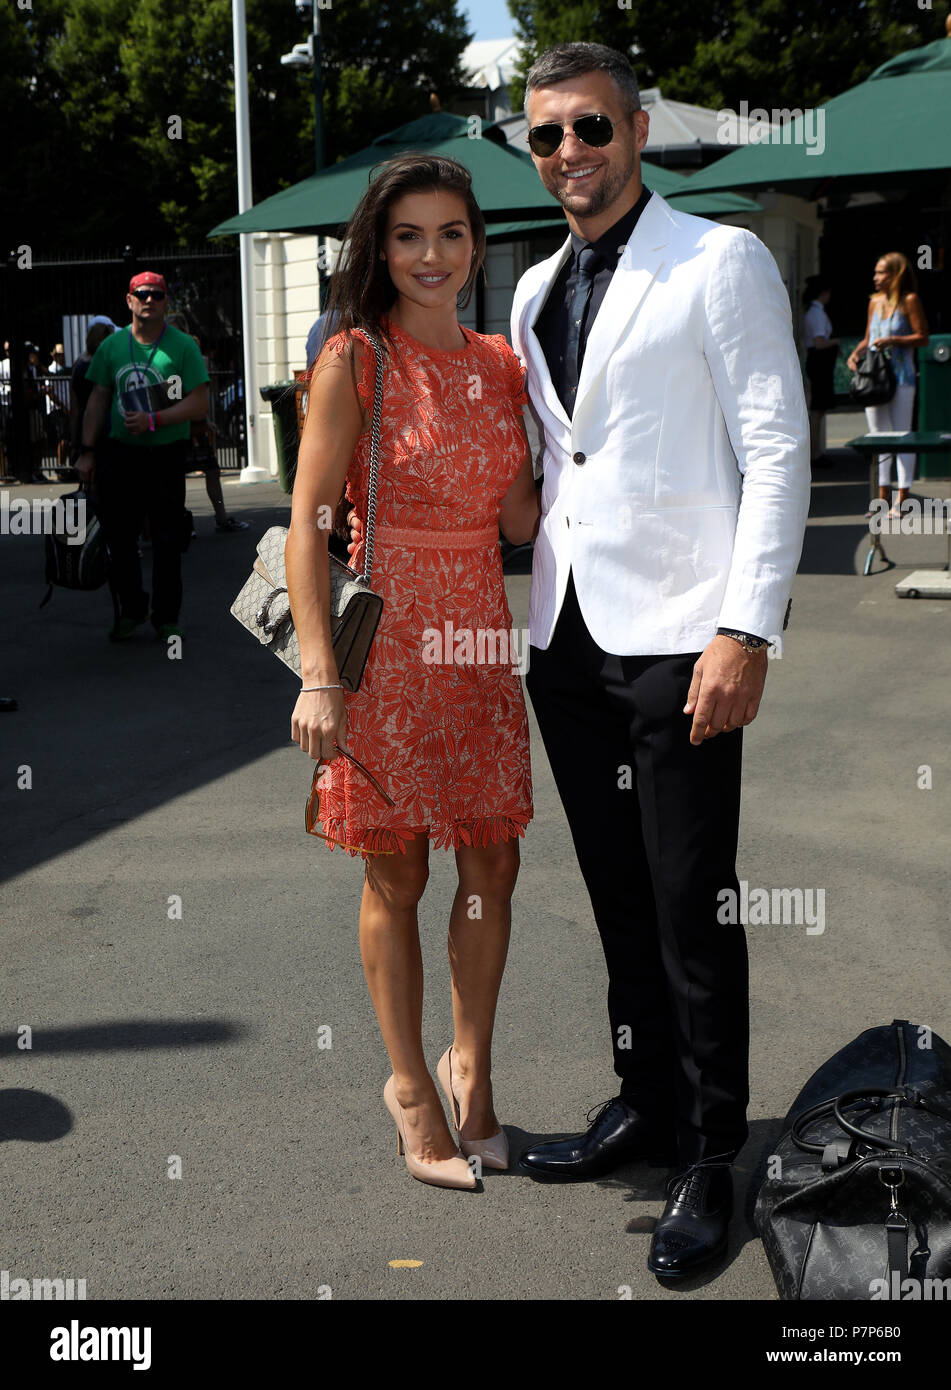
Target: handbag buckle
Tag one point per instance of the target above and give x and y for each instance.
(892, 1178)
(263, 618)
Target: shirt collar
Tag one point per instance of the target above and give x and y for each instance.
(610, 245)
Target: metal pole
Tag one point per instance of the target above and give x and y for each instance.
(251, 473)
(318, 55)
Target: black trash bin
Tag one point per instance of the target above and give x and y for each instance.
(282, 397)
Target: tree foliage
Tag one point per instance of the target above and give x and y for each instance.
(120, 113)
(776, 53)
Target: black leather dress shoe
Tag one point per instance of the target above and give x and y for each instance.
(618, 1134)
(693, 1229)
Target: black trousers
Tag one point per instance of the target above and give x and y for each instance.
(654, 821)
(131, 483)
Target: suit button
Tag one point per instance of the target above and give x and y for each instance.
(579, 458)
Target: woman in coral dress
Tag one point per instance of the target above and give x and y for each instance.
(439, 719)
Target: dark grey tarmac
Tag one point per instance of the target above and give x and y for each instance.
(202, 1038)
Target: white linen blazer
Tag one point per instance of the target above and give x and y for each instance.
(678, 492)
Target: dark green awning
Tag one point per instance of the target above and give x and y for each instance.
(504, 182)
(895, 123)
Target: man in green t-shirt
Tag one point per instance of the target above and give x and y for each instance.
(151, 381)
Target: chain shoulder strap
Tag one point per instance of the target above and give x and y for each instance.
(370, 525)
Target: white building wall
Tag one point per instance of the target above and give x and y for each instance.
(285, 307)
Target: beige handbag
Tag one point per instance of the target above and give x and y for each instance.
(263, 606)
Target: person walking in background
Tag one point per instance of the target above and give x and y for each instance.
(821, 353)
(56, 391)
(896, 321)
(150, 383)
(203, 455)
(80, 387)
(321, 329)
(447, 736)
(4, 409)
(36, 405)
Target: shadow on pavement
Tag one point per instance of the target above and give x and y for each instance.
(36, 1117)
(106, 732)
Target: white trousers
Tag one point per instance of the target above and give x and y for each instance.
(894, 417)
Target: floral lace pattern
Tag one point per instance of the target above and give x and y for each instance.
(439, 718)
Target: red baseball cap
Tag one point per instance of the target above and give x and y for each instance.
(148, 279)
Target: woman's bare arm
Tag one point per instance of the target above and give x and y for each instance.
(334, 423)
(860, 347)
(521, 505)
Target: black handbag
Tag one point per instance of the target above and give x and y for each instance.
(873, 381)
(859, 1206)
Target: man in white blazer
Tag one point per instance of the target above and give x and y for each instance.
(661, 365)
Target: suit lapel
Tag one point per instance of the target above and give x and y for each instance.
(533, 347)
(638, 268)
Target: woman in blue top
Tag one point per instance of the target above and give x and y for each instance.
(896, 321)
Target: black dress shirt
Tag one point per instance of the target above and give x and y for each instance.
(551, 326)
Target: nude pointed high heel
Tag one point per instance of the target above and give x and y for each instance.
(492, 1152)
(443, 1172)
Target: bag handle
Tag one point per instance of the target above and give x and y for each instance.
(834, 1107)
(370, 527)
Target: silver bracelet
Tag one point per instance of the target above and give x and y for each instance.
(306, 689)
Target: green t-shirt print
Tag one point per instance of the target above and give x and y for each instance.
(121, 364)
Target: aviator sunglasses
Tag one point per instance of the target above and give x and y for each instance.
(546, 139)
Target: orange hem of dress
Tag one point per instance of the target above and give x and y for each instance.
(479, 832)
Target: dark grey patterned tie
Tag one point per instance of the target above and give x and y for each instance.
(589, 261)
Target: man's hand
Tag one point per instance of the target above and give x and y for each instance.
(726, 689)
(136, 421)
(86, 465)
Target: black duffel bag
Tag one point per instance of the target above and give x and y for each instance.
(860, 1204)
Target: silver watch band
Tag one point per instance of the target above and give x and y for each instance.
(746, 640)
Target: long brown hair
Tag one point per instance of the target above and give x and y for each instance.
(362, 289)
(903, 280)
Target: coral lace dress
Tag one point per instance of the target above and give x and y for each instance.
(440, 717)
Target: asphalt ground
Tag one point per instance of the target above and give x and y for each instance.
(203, 1038)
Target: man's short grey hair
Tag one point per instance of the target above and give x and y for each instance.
(567, 60)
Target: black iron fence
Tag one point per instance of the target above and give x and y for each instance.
(50, 426)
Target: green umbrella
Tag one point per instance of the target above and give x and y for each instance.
(895, 123)
(504, 182)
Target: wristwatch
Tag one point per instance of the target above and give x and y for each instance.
(746, 640)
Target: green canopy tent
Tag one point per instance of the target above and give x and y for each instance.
(895, 124)
(504, 181)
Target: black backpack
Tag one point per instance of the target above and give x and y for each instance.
(860, 1207)
(82, 566)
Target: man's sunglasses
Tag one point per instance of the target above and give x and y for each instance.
(148, 294)
(546, 139)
